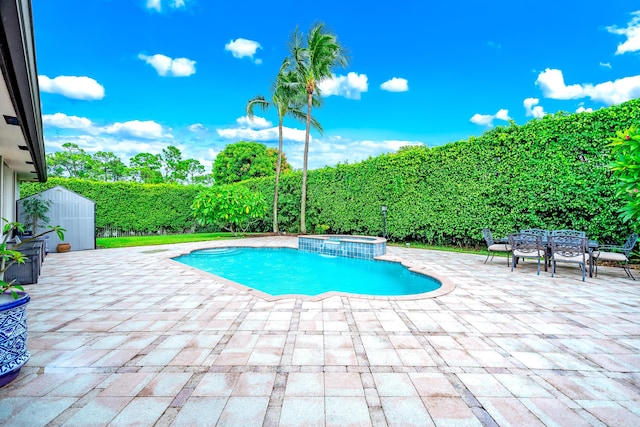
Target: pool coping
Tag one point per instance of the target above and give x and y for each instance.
(446, 285)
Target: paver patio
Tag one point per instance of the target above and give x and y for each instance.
(128, 337)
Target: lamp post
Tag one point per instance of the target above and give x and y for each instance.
(384, 221)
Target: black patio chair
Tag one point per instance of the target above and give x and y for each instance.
(525, 245)
(616, 253)
(569, 248)
(493, 247)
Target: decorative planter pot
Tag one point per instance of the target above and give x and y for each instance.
(64, 247)
(13, 336)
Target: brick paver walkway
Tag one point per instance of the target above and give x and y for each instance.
(128, 337)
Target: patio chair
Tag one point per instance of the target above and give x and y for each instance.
(575, 233)
(493, 247)
(619, 254)
(525, 245)
(569, 248)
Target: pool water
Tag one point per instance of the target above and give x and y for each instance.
(282, 271)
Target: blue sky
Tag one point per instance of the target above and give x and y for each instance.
(132, 76)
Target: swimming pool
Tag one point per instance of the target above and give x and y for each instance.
(284, 271)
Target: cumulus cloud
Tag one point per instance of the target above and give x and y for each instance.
(196, 127)
(138, 129)
(605, 65)
(349, 86)
(551, 82)
(262, 135)
(241, 48)
(396, 84)
(75, 87)
(61, 120)
(581, 109)
(532, 109)
(256, 122)
(157, 4)
(165, 66)
(631, 32)
(487, 119)
(331, 151)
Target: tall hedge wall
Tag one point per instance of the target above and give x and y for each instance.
(129, 206)
(549, 173)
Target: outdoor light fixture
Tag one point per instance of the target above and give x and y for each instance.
(384, 221)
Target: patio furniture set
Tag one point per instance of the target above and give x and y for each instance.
(552, 246)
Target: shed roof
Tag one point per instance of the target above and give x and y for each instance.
(60, 188)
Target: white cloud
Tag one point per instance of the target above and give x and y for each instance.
(138, 129)
(240, 48)
(632, 33)
(262, 135)
(605, 65)
(165, 66)
(331, 151)
(196, 127)
(395, 85)
(61, 120)
(532, 109)
(75, 87)
(581, 109)
(349, 86)
(487, 119)
(157, 4)
(551, 81)
(255, 123)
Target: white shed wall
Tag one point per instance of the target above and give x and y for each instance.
(72, 212)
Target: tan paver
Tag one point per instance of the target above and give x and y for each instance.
(127, 336)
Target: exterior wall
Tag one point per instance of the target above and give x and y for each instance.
(72, 212)
(8, 192)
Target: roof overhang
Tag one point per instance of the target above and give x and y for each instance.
(21, 134)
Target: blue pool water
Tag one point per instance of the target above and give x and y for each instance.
(282, 271)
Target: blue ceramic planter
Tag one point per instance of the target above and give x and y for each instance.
(13, 337)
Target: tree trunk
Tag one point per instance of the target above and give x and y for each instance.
(303, 197)
(275, 191)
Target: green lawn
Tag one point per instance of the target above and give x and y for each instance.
(121, 242)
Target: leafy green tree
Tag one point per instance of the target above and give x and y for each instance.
(36, 212)
(107, 166)
(146, 168)
(172, 163)
(288, 98)
(312, 64)
(72, 162)
(192, 169)
(243, 160)
(626, 168)
(233, 208)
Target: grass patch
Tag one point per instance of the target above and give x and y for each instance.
(416, 245)
(123, 242)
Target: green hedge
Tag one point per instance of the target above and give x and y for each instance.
(128, 206)
(549, 173)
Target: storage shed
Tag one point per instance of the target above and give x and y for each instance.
(71, 211)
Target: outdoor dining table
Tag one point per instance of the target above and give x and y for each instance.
(592, 245)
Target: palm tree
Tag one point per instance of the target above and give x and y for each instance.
(288, 98)
(313, 64)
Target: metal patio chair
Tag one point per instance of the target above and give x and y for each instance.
(493, 247)
(616, 253)
(525, 245)
(569, 248)
(575, 233)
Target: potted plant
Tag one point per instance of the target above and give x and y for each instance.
(13, 304)
(36, 210)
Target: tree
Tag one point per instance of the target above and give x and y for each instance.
(243, 160)
(192, 169)
(36, 210)
(72, 162)
(626, 168)
(288, 98)
(171, 159)
(108, 167)
(146, 168)
(312, 64)
(231, 207)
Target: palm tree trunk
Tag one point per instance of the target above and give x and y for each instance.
(278, 165)
(303, 197)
